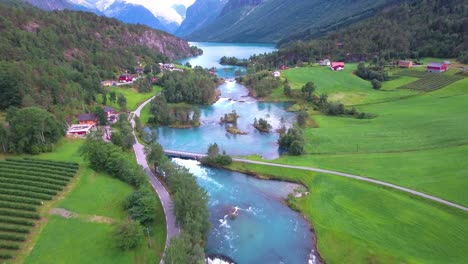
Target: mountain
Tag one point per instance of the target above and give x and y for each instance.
(128, 11)
(410, 30)
(274, 20)
(133, 14)
(56, 60)
(200, 14)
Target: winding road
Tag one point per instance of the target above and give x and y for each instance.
(166, 201)
(185, 154)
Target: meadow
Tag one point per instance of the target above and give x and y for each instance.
(357, 222)
(417, 139)
(134, 98)
(95, 202)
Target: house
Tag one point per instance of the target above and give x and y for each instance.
(109, 111)
(337, 66)
(436, 67)
(87, 119)
(106, 83)
(125, 78)
(79, 130)
(325, 62)
(154, 80)
(276, 74)
(405, 64)
(283, 67)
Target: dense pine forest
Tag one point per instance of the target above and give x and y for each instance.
(56, 60)
(413, 29)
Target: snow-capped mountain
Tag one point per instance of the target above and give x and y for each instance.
(160, 14)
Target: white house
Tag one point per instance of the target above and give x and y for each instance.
(325, 62)
(276, 74)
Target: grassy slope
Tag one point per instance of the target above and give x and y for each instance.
(361, 223)
(134, 98)
(414, 142)
(65, 240)
(341, 86)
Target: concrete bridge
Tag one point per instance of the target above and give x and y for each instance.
(183, 154)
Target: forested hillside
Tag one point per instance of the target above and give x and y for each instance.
(56, 60)
(274, 20)
(419, 29)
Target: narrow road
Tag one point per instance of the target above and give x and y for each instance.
(164, 197)
(360, 178)
(185, 154)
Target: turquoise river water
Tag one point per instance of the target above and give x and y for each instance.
(251, 222)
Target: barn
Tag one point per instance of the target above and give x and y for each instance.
(436, 67)
(337, 66)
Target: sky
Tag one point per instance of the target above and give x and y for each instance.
(163, 8)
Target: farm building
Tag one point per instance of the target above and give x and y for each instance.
(276, 74)
(106, 83)
(436, 67)
(337, 66)
(325, 62)
(87, 119)
(405, 64)
(125, 78)
(79, 130)
(109, 111)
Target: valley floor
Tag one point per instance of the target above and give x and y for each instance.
(417, 140)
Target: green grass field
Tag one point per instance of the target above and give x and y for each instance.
(358, 222)
(342, 86)
(417, 140)
(88, 238)
(134, 98)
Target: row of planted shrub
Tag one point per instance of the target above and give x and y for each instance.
(24, 185)
(27, 168)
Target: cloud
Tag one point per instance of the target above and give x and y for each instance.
(163, 8)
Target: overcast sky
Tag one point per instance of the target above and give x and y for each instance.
(163, 7)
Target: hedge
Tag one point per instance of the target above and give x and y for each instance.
(31, 183)
(18, 199)
(5, 256)
(26, 188)
(16, 221)
(33, 178)
(12, 237)
(14, 229)
(25, 168)
(43, 165)
(25, 194)
(19, 214)
(62, 163)
(9, 246)
(35, 173)
(18, 206)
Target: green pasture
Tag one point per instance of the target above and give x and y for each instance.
(93, 195)
(134, 98)
(357, 222)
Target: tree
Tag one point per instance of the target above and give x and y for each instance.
(376, 84)
(101, 116)
(196, 116)
(147, 69)
(155, 154)
(4, 137)
(302, 118)
(287, 89)
(292, 141)
(213, 150)
(141, 205)
(128, 235)
(122, 102)
(187, 64)
(34, 130)
(262, 125)
(112, 97)
(308, 89)
(104, 98)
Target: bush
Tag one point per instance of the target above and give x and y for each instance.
(128, 235)
(376, 84)
(141, 205)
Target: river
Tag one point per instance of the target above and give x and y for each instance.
(250, 221)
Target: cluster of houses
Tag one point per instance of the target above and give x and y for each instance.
(169, 67)
(334, 65)
(87, 122)
(431, 66)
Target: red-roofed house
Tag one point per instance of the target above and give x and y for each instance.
(436, 67)
(405, 64)
(337, 66)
